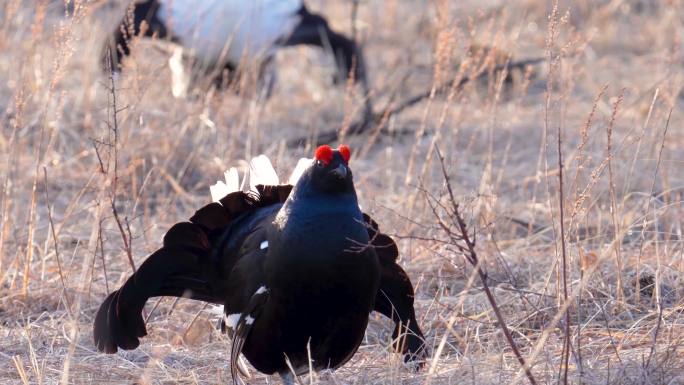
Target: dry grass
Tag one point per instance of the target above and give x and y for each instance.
(612, 82)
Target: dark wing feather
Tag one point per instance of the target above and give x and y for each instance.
(173, 270)
(181, 268)
(395, 296)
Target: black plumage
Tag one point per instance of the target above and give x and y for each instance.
(298, 270)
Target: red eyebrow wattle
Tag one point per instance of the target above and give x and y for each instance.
(324, 153)
(345, 151)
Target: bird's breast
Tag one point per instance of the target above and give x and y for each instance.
(324, 236)
(322, 244)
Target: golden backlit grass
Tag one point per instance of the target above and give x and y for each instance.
(611, 83)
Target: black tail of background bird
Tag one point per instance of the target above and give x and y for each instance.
(174, 270)
(137, 14)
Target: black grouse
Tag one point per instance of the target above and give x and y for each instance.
(298, 270)
(224, 34)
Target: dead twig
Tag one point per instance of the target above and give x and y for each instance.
(113, 146)
(463, 241)
(564, 259)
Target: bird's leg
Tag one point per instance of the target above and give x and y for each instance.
(267, 79)
(287, 377)
(314, 30)
(224, 76)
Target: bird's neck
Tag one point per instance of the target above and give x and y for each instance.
(317, 229)
(301, 209)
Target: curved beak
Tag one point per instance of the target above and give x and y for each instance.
(340, 171)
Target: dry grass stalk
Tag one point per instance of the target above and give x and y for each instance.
(657, 291)
(620, 295)
(170, 150)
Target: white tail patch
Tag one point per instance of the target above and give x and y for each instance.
(232, 179)
(244, 186)
(221, 189)
(299, 169)
(218, 191)
(261, 171)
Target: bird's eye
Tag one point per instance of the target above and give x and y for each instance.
(319, 163)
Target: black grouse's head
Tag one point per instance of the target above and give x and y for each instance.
(330, 173)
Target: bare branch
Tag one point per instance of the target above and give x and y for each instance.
(114, 128)
(463, 242)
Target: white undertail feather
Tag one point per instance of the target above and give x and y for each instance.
(260, 171)
(299, 169)
(232, 179)
(221, 189)
(218, 191)
(244, 186)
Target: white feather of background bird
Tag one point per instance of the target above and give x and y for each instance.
(230, 30)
